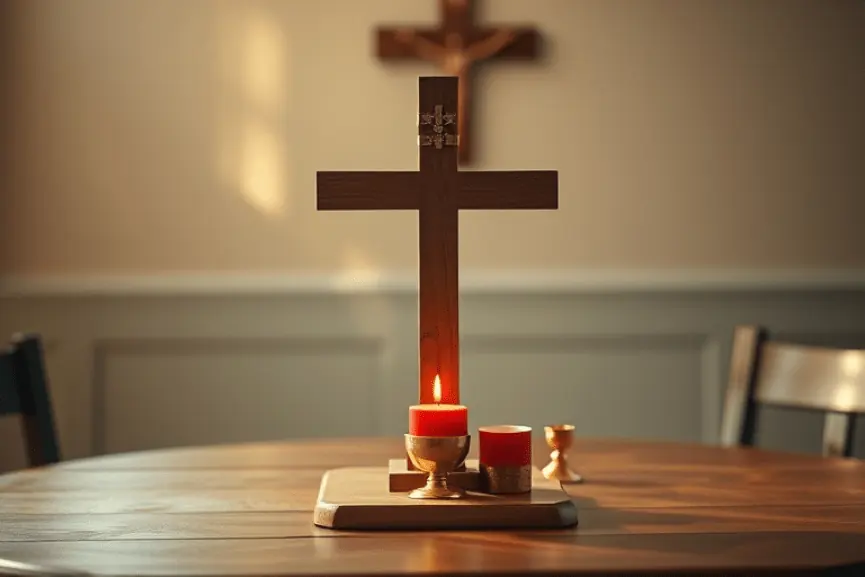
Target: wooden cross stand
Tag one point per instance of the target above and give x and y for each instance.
(455, 46)
(438, 192)
(359, 498)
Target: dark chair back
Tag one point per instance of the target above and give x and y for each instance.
(796, 376)
(24, 392)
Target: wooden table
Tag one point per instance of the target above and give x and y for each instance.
(247, 510)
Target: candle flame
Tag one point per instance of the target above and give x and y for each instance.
(437, 390)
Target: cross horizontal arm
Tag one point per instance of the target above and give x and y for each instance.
(525, 43)
(532, 189)
(368, 190)
(401, 43)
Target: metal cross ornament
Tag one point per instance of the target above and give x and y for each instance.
(443, 128)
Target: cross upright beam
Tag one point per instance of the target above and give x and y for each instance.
(438, 191)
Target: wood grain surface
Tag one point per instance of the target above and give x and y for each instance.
(247, 510)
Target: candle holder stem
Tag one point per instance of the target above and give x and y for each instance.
(436, 488)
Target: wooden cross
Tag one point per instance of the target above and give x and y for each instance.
(437, 191)
(455, 46)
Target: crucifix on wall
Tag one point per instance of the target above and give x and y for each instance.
(438, 191)
(455, 46)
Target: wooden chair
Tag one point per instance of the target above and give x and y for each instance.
(24, 392)
(795, 376)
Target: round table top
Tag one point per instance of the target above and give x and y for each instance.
(247, 510)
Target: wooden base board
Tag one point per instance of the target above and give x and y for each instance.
(358, 498)
(401, 479)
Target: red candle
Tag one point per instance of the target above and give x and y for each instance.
(438, 420)
(505, 446)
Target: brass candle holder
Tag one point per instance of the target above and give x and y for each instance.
(559, 439)
(437, 456)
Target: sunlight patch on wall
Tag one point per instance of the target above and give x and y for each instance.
(264, 65)
(253, 152)
(375, 312)
(261, 176)
(357, 270)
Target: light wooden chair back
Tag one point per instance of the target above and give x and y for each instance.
(765, 372)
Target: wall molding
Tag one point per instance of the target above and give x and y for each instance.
(650, 348)
(486, 282)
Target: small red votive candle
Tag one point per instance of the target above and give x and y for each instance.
(506, 458)
(438, 420)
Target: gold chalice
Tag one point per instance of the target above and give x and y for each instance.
(559, 439)
(437, 456)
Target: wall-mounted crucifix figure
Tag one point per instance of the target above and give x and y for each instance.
(455, 46)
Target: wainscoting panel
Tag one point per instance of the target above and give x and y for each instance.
(162, 393)
(590, 381)
(151, 367)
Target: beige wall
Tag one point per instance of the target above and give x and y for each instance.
(164, 136)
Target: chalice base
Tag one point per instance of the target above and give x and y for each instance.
(436, 488)
(558, 471)
(403, 479)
